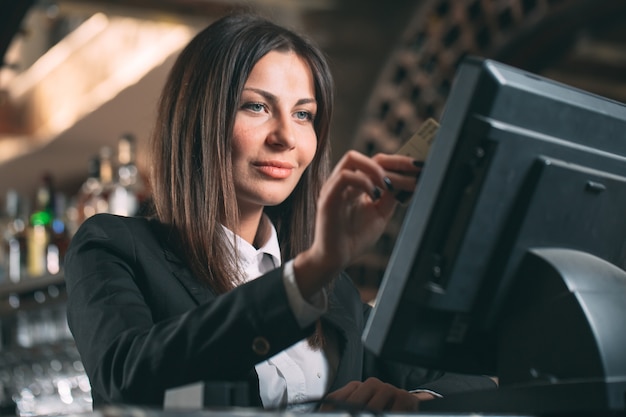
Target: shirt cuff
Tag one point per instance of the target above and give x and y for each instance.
(306, 311)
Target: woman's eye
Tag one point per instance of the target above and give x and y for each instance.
(256, 107)
(304, 115)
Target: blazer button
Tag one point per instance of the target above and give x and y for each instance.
(260, 346)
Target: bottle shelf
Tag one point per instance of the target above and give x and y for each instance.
(29, 284)
(32, 294)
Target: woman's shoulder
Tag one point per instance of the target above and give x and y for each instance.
(131, 238)
(120, 230)
(107, 218)
(108, 223)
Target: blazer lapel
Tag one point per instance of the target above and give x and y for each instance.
(200, 293)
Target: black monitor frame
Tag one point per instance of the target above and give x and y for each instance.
(521, 167)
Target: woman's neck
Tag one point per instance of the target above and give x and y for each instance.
(253, 228)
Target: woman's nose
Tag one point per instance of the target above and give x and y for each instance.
(282, 134)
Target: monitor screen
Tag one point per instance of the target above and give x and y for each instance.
(525, 178)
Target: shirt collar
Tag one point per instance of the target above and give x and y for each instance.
(248, 255)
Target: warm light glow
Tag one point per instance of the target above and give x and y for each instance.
(58, 55)
(86, 69)
(12, 147)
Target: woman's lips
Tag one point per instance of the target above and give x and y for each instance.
(275, 169)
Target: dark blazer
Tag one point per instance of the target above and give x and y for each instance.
(143, 324)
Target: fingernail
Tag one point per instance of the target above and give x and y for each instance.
(403, 196)
(419, 164)
(388, 183)
(376, 193)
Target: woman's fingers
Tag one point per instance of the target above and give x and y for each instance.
(403, 172)
(372, 394)
(354, 183)
(398, 163)
(355, 205)
(396, 173)
(357, 162)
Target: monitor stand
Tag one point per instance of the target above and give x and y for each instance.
(561, 341)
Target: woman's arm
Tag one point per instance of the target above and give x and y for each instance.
(140, 332)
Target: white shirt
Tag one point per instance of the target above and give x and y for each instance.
(298, 373)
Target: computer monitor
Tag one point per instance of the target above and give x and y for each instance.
(510, 260)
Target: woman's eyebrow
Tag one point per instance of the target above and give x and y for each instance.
(273, 99)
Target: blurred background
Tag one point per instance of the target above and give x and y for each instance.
(79, 80)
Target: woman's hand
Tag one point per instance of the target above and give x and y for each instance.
(373, 395)
(354, 207)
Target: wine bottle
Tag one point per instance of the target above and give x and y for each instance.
(89, 187)
(128, 191)
(98, 186)
(13, 238)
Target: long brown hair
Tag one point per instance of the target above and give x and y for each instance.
(191, 175)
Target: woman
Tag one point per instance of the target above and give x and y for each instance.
(237, 277)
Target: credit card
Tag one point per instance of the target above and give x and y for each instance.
(417, 147)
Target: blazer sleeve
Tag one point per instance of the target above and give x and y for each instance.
(129, 357)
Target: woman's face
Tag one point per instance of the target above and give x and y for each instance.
(273, 137)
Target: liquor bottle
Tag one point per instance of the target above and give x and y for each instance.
(90, 187)
(13, 239)
(59, 235)
(71, 216)
(128, 192)
(6, 234)
(37, 246)
(38, 232)
(4, 255)
(98, 200)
